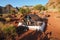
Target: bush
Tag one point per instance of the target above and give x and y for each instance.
(24, 11)
(10, 30)
(40, 7)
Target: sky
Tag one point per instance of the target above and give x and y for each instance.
(19, 3)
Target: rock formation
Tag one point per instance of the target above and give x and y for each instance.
(53, 4)
(8, 9)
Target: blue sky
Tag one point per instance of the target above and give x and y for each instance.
(19, 3)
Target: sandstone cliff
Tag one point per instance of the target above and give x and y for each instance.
(53, 4)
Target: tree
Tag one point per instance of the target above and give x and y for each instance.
(21, 10)
(24, 11)
(40, 7)
(17, 8)
(43, 8)
(27, 10)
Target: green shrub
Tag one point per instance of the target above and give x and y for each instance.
(9, 32)
(10, 29)
(40, 7)
(24, 11)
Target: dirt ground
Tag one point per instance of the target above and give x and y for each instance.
(53, 26)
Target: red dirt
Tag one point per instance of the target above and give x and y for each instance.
(52, 26)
